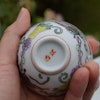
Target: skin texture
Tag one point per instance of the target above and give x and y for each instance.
(82, 85)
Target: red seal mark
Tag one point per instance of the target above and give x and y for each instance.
(50, 55)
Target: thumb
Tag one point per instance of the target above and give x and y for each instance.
(9, 76)
(10, 40)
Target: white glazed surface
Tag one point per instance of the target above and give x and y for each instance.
(49, 53)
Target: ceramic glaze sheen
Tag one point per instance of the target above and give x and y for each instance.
(49, 53)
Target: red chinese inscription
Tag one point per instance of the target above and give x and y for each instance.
(50, 55)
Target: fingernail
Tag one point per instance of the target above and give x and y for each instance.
(20, 13)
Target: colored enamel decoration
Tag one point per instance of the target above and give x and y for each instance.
(49, 53)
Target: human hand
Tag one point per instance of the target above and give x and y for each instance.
(83, 82)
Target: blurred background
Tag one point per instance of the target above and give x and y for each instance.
(85, 14)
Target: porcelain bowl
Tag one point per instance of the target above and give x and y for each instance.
(49, 53)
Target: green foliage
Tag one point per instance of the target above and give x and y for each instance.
(85, 14)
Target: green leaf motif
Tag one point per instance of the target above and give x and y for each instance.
(57, 29)
(63, 77)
